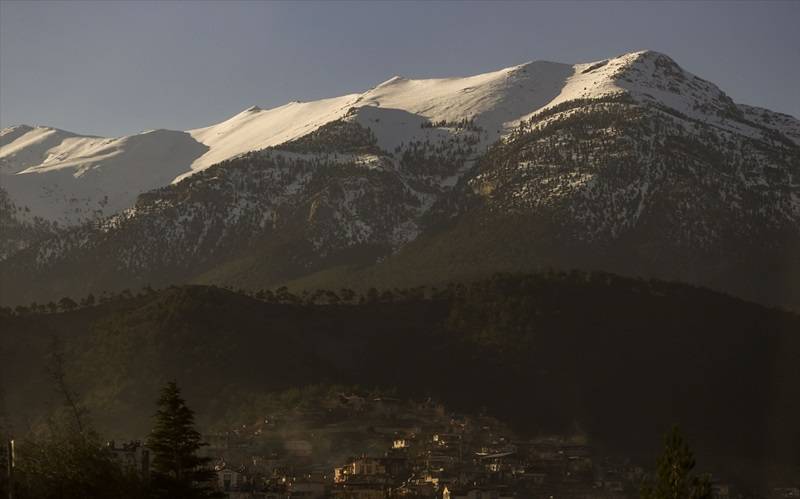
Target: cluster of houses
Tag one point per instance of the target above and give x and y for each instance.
(476, 460)
(379, 448)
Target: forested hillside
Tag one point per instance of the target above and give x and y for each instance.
(622, 359)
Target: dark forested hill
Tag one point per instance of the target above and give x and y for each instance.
(621, 358)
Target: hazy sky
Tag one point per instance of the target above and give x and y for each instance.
(114, 68)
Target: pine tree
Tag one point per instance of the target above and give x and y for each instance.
(177, 471)
(674, 479)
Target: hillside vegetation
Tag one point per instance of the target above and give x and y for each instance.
(623, 359)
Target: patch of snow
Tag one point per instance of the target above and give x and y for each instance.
(495, 100)
(83, 178)
(254, 129)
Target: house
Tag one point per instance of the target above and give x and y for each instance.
(400, 443)
(361, 469)
(367, 466)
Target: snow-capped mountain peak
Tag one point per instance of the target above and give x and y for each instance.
(47, 169)
(630, 161)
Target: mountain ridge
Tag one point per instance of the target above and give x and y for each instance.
(640, 168)
(497, 100)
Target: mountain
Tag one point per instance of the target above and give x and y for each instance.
(626, 185)
(631, 165)
(622, 359)
(38, 158)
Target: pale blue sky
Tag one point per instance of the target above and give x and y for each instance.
(113, 68)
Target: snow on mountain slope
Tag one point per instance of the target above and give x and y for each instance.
(494, 100)
(630, 162)
(396, 110)
(256, 128)
(65, 177)
(62, 169)
(650, 77)
(10, 134)
(782, 123)
(82, 178)
(23, 146)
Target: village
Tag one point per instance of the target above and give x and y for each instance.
(357, 447)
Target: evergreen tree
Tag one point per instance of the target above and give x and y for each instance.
(177, 471)
(674, 478)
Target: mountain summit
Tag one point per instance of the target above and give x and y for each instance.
(629, 164)
(70, 178)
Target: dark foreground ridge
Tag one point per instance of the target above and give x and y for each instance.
(623, 359)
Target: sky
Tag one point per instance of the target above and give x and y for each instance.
(116, 68)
